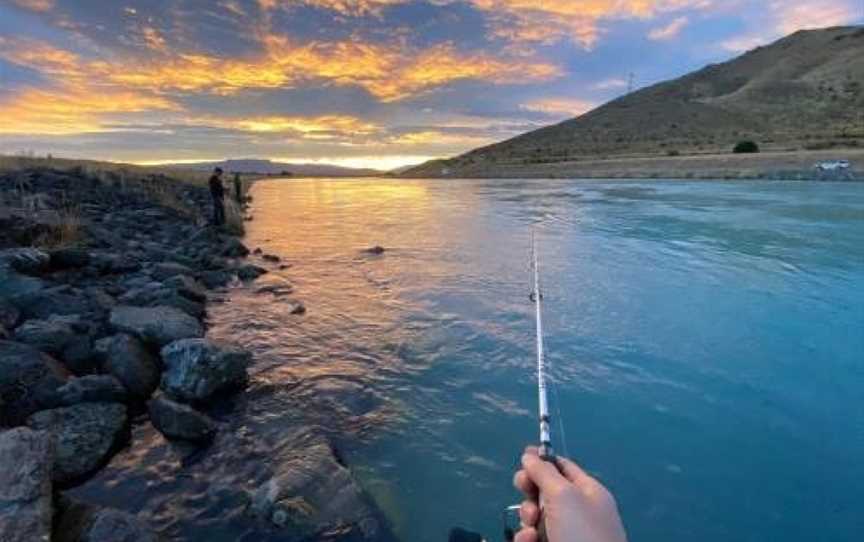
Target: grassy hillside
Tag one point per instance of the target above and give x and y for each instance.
(803, 92)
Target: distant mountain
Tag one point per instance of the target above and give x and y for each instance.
(268, 167)
(803, 92)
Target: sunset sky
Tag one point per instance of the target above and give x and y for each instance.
(378, 83)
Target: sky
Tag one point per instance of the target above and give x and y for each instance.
(368, 83)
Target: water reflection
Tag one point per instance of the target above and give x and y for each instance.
(703, 336)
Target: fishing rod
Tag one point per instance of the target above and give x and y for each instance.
(546, 453)
(545, 450)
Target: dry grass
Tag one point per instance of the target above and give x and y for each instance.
(102, 170)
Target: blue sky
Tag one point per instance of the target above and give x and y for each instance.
(356, 82)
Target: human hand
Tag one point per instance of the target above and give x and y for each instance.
(576, 507)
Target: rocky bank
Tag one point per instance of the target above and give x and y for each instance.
(104, 285)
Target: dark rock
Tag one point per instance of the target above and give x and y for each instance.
(125, 357)
(170, 298)
(311, 494)
(376, 250)
(216, 278)
(26, 507)
(272, 284)
(233, 248)
(9, 315)
(114, 264)
(179, 421)
(250, 272)
(91, 389)
(69, 258)
(80, 358)
(156, 325)
(165, 270)
(87, 434)
(258, 251)
(295, 306)
(52, 336)
(59, 301)
(14, 284)
(82, 522)
(187, 287)
(30, 261)
(28, 381)
(271, 258)
(197, 369)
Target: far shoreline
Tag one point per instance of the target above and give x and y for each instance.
(789, 166)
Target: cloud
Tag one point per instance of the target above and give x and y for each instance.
(610, 84)
(71, 110)
(35, 5)
(388, 72)
(560, 108)
(669, 31)
(784, 17)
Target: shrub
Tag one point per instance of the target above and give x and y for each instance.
(745, 147)
(673, 152)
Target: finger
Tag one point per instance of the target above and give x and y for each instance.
(543, 473)
(525, 485)
(532, 450)
(572, 471)
(528, 534)
(529, 513)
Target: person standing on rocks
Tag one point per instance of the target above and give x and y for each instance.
(238, 188)
(217, 192)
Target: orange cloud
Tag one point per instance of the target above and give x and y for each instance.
(314, 127)
(35, 5)
(560, 107)
(389, 72)
(71, 110)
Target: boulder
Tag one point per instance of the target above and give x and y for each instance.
(60, 301)
(52, 336)
(275, 285)
(30, 261)
(91, 389)
(9, 315)
(69, 258)
(179, 421)
(156, 325)
(197, 369)
(233, 248)
(187, 287)
(313, 493)
(28, 381)
(14, 284)
(126, 358)
(165, 270)
(271, 258)
(87, 435)
(295, 306)
(216, 278)
(26, 507)
(377, 250)
(250, 272)
(82, 522)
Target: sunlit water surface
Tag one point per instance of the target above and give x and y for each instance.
(706, 341)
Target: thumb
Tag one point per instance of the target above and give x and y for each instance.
(544, 474)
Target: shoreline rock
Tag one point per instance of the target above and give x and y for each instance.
(26, 506)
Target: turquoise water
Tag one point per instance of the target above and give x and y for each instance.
(707, 342)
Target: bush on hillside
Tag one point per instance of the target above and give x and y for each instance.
(745, 147)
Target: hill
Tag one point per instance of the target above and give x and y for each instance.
(804, 92)
(267, 167)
